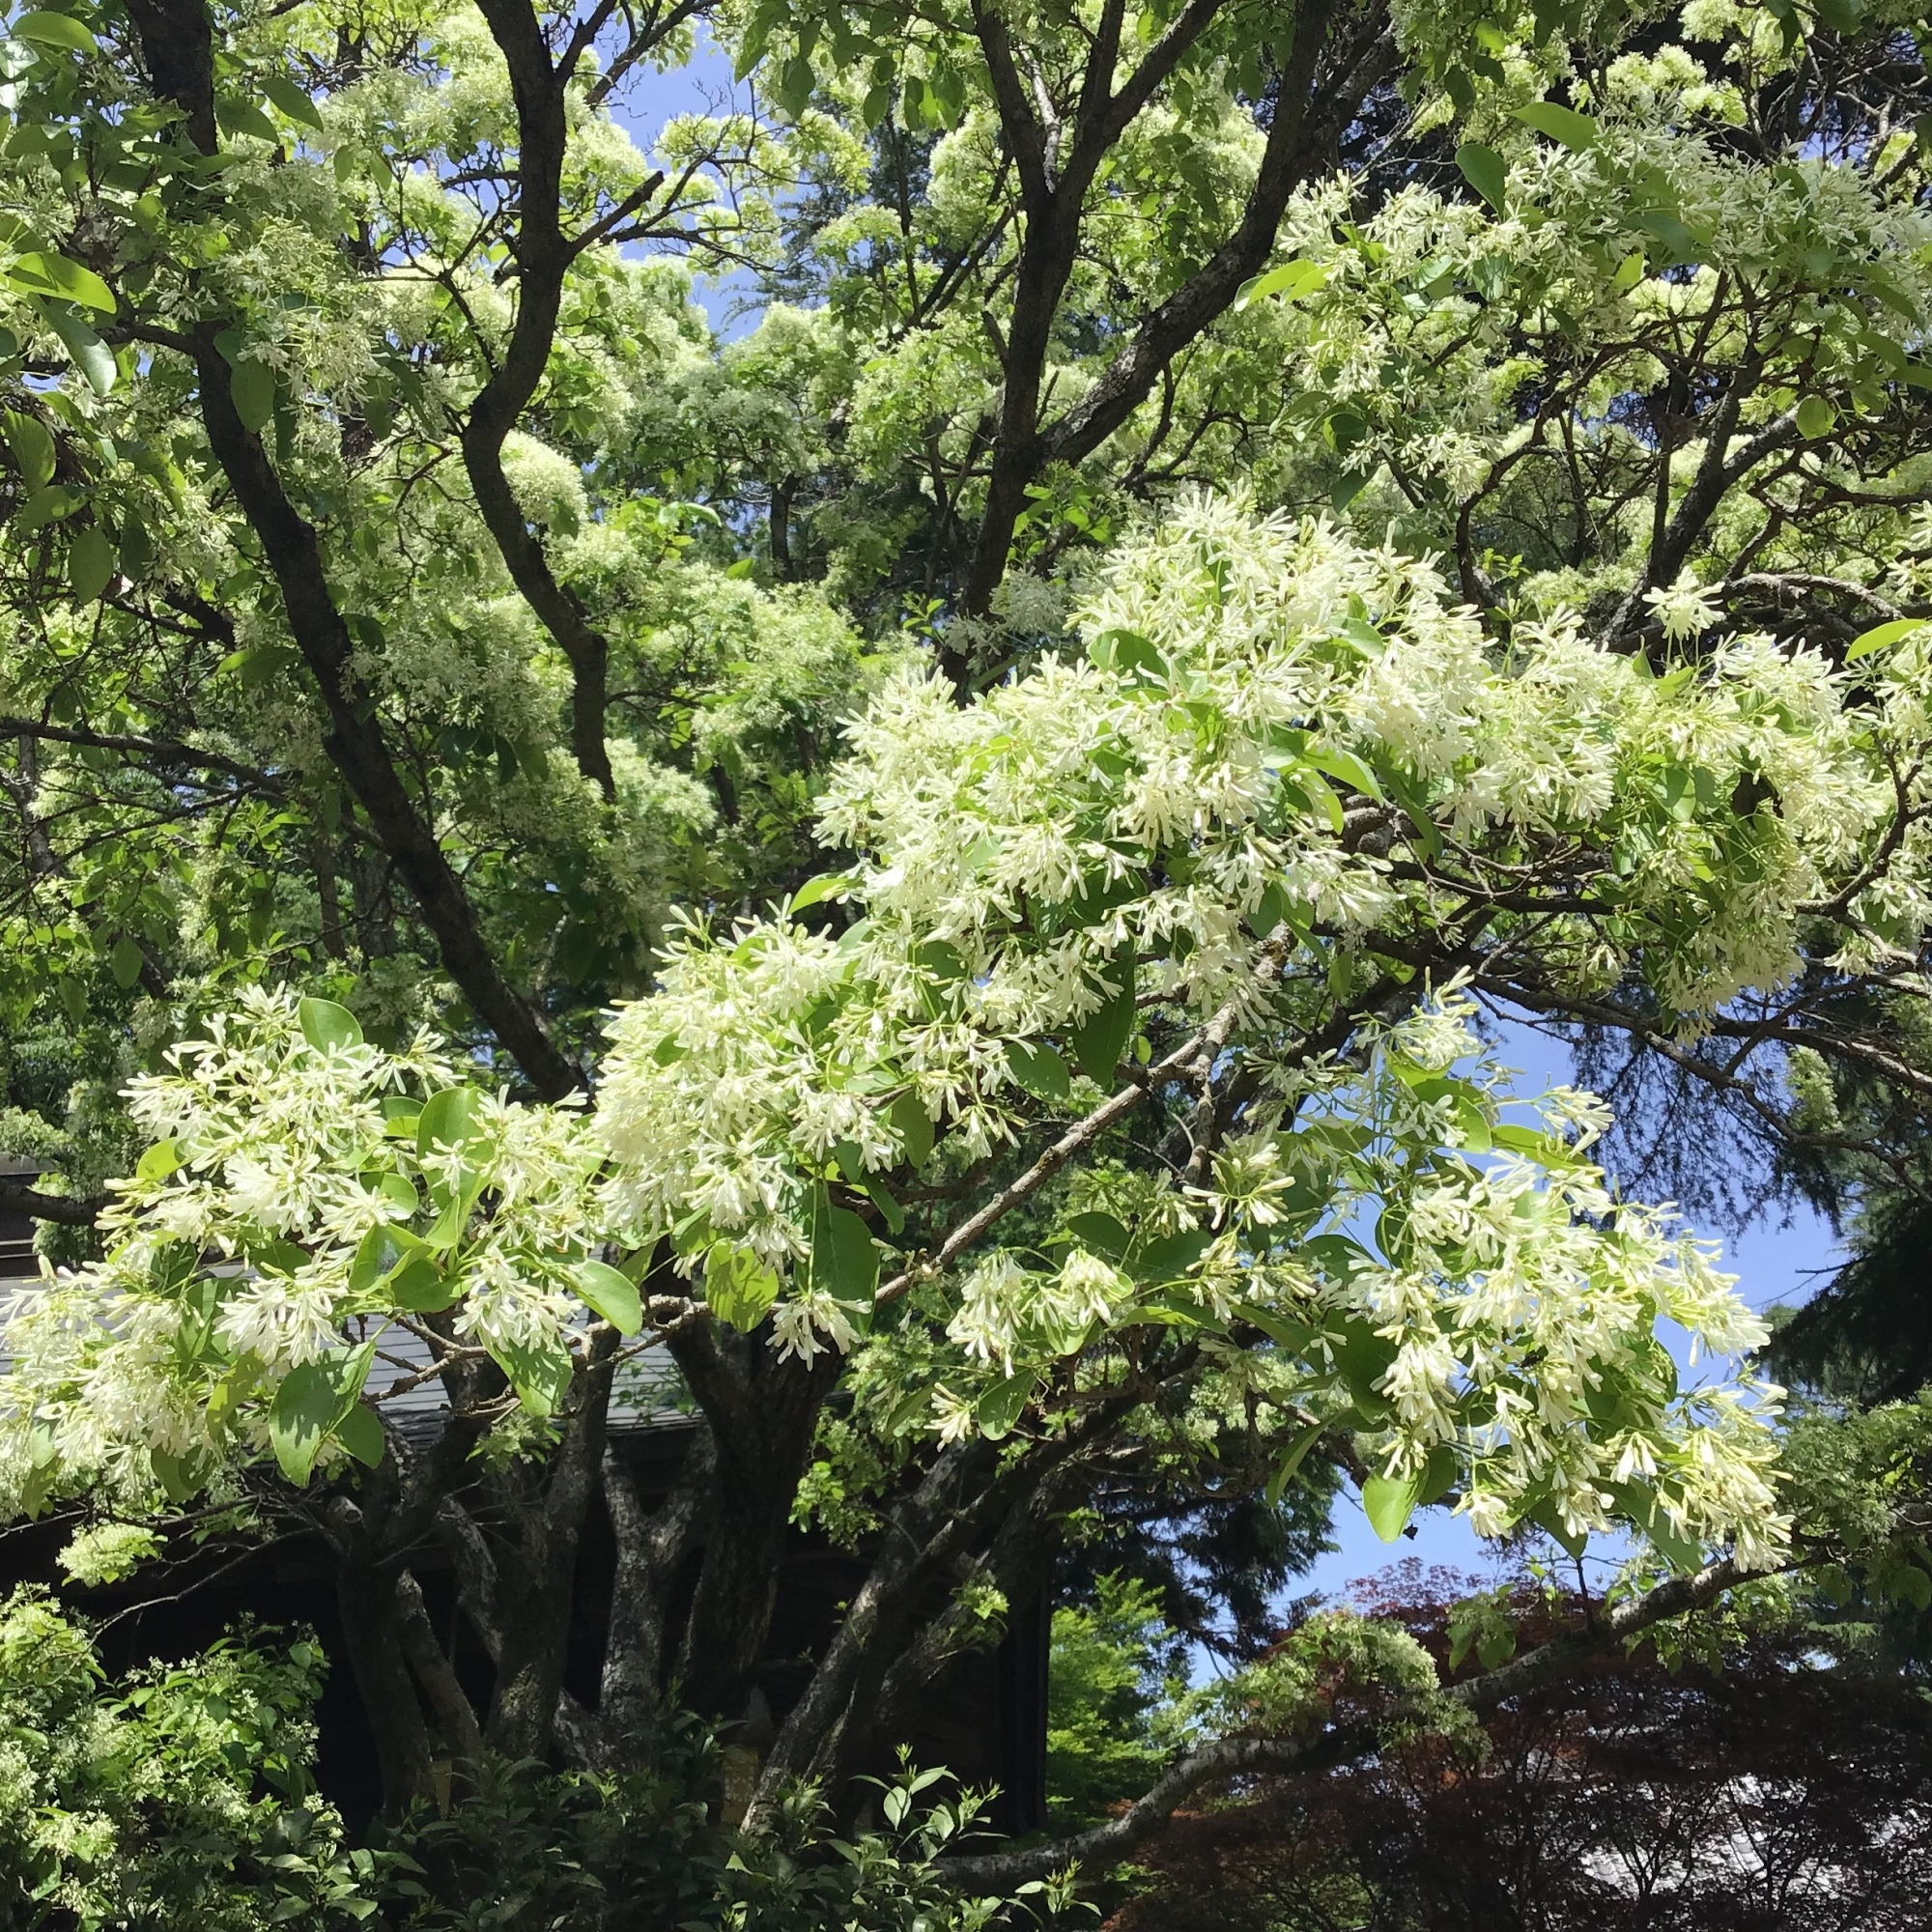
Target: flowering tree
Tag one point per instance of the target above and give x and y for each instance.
(1078, 1079)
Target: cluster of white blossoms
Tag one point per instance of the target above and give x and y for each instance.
(291, 1199)
(1278, 744)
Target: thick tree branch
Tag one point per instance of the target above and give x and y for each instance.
(292, 549)
(163, 750)
(63, 1210)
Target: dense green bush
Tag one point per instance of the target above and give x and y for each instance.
(185, 1797)
(182, 1796)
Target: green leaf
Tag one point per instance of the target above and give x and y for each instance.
(1561, 124)
(1545, 1516)
(90, 564)
(125, 962)
(378, 1254)
(1882, 637)
(613, 1296)
(448, 1120)
(312, 1400)
(1172, 1255)
(1100, 1235)
(842, 1262)
(157, 1162)
(826, 884)
(889, 1208)
(1283, 1471)
(54, 30)
(1004, 1403)
(1643, 1507)
(360, 1434)
(1438, 1476)
(1484, 170)
(1290, 281)
(32, 444)
(1390, 1501)
(1037, 1067)
(1343, 764)
(252, 385)
(1816, 417)
(1292, 1335)
(43, 272)
(1127, 651)
(455, 1205)
(539, 1375)
(181, 1476)
(243, 117)
(91, 355)
(293, 100)
(739, 1287)
(913, 1127)
(1101, 1039)
(421, 1287)
(47, 507)
(795, 83)
(325, 1026)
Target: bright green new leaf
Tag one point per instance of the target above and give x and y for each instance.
(1389, 1502)
(826, 884)
(1816, 417)
(157, 1162)
(1290, 281)
(328, 1026)
(611, 1294)
(42, 272)
(54, 30)
(739, 1287)
(1882, 637)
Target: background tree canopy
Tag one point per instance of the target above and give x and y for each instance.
(934, 880)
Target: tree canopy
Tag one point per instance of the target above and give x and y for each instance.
(935, 876)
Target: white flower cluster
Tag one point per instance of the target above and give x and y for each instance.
(234, 1251)
(1278, 744)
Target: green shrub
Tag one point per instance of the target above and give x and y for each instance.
(186, 1798)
